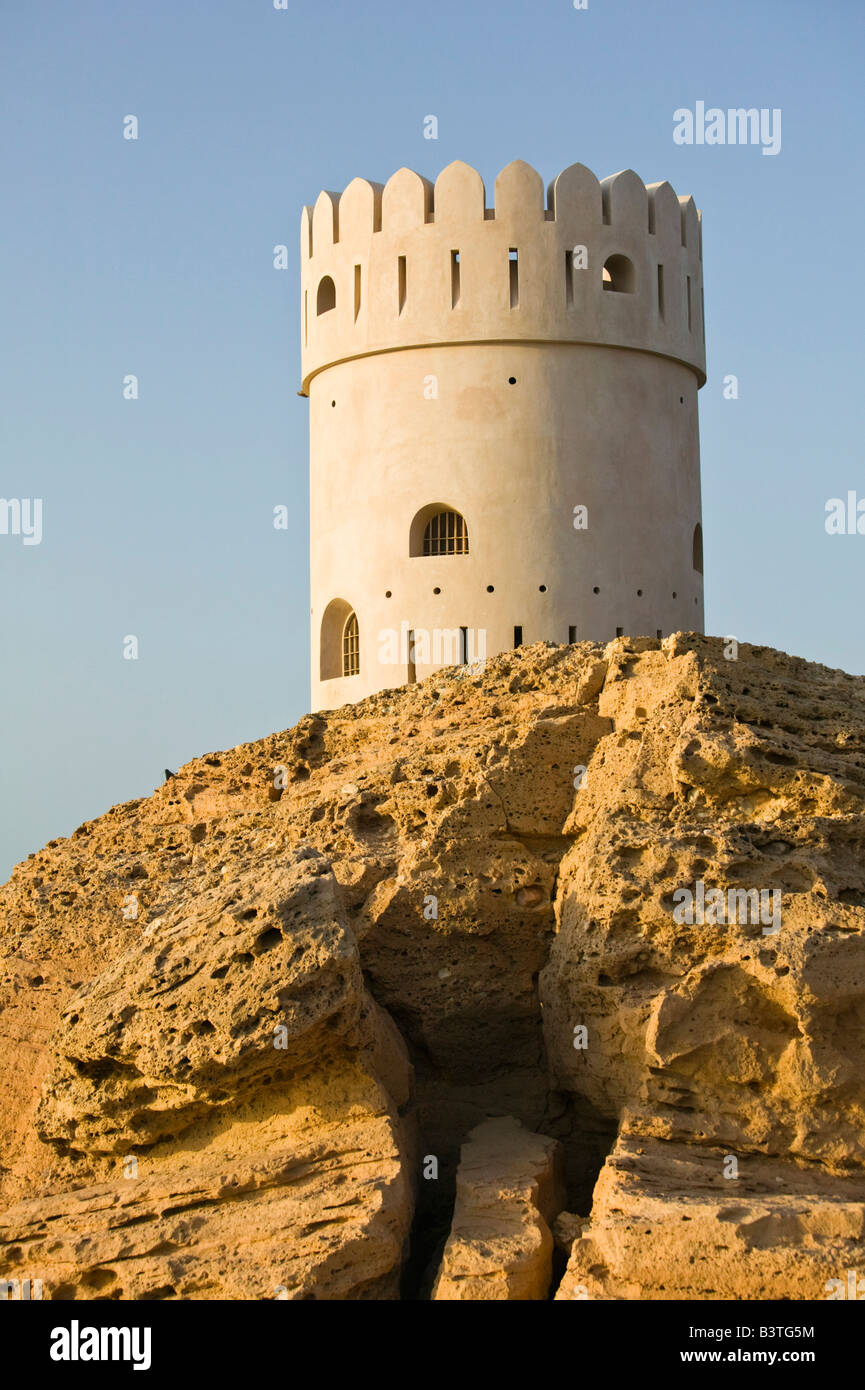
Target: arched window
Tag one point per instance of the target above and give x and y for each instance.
(351, 647)
(326, 297)
(438, 529)
(697, 548)
(446, 533)
(339, 652)
(618, 275)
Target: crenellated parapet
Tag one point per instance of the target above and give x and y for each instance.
(408, 264)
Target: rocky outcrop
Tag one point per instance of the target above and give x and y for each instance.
(227, 1078)
(684, 1221)
(302, 1194)
(745, 1028)
(601, 891)
(509, 1191)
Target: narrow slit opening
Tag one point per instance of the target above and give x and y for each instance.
(455, 279)
(660, 291)
(514, 276)
(356, 292)
(401, 285)
(518, 636)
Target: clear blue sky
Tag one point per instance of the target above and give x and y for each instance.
(154, 257)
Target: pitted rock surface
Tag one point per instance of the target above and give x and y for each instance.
(427, 903)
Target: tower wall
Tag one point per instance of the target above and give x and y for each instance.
(509, 396)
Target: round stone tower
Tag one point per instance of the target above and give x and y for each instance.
(504, 441)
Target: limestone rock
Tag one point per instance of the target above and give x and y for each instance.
(301, 1192)
(567, 1227)
(746, 777)
(678, 1221)
(444, 921)
(241, 1014)
(509, 1191)
(234, 989)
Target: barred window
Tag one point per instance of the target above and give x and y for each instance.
(351, 647)
(446, 533)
